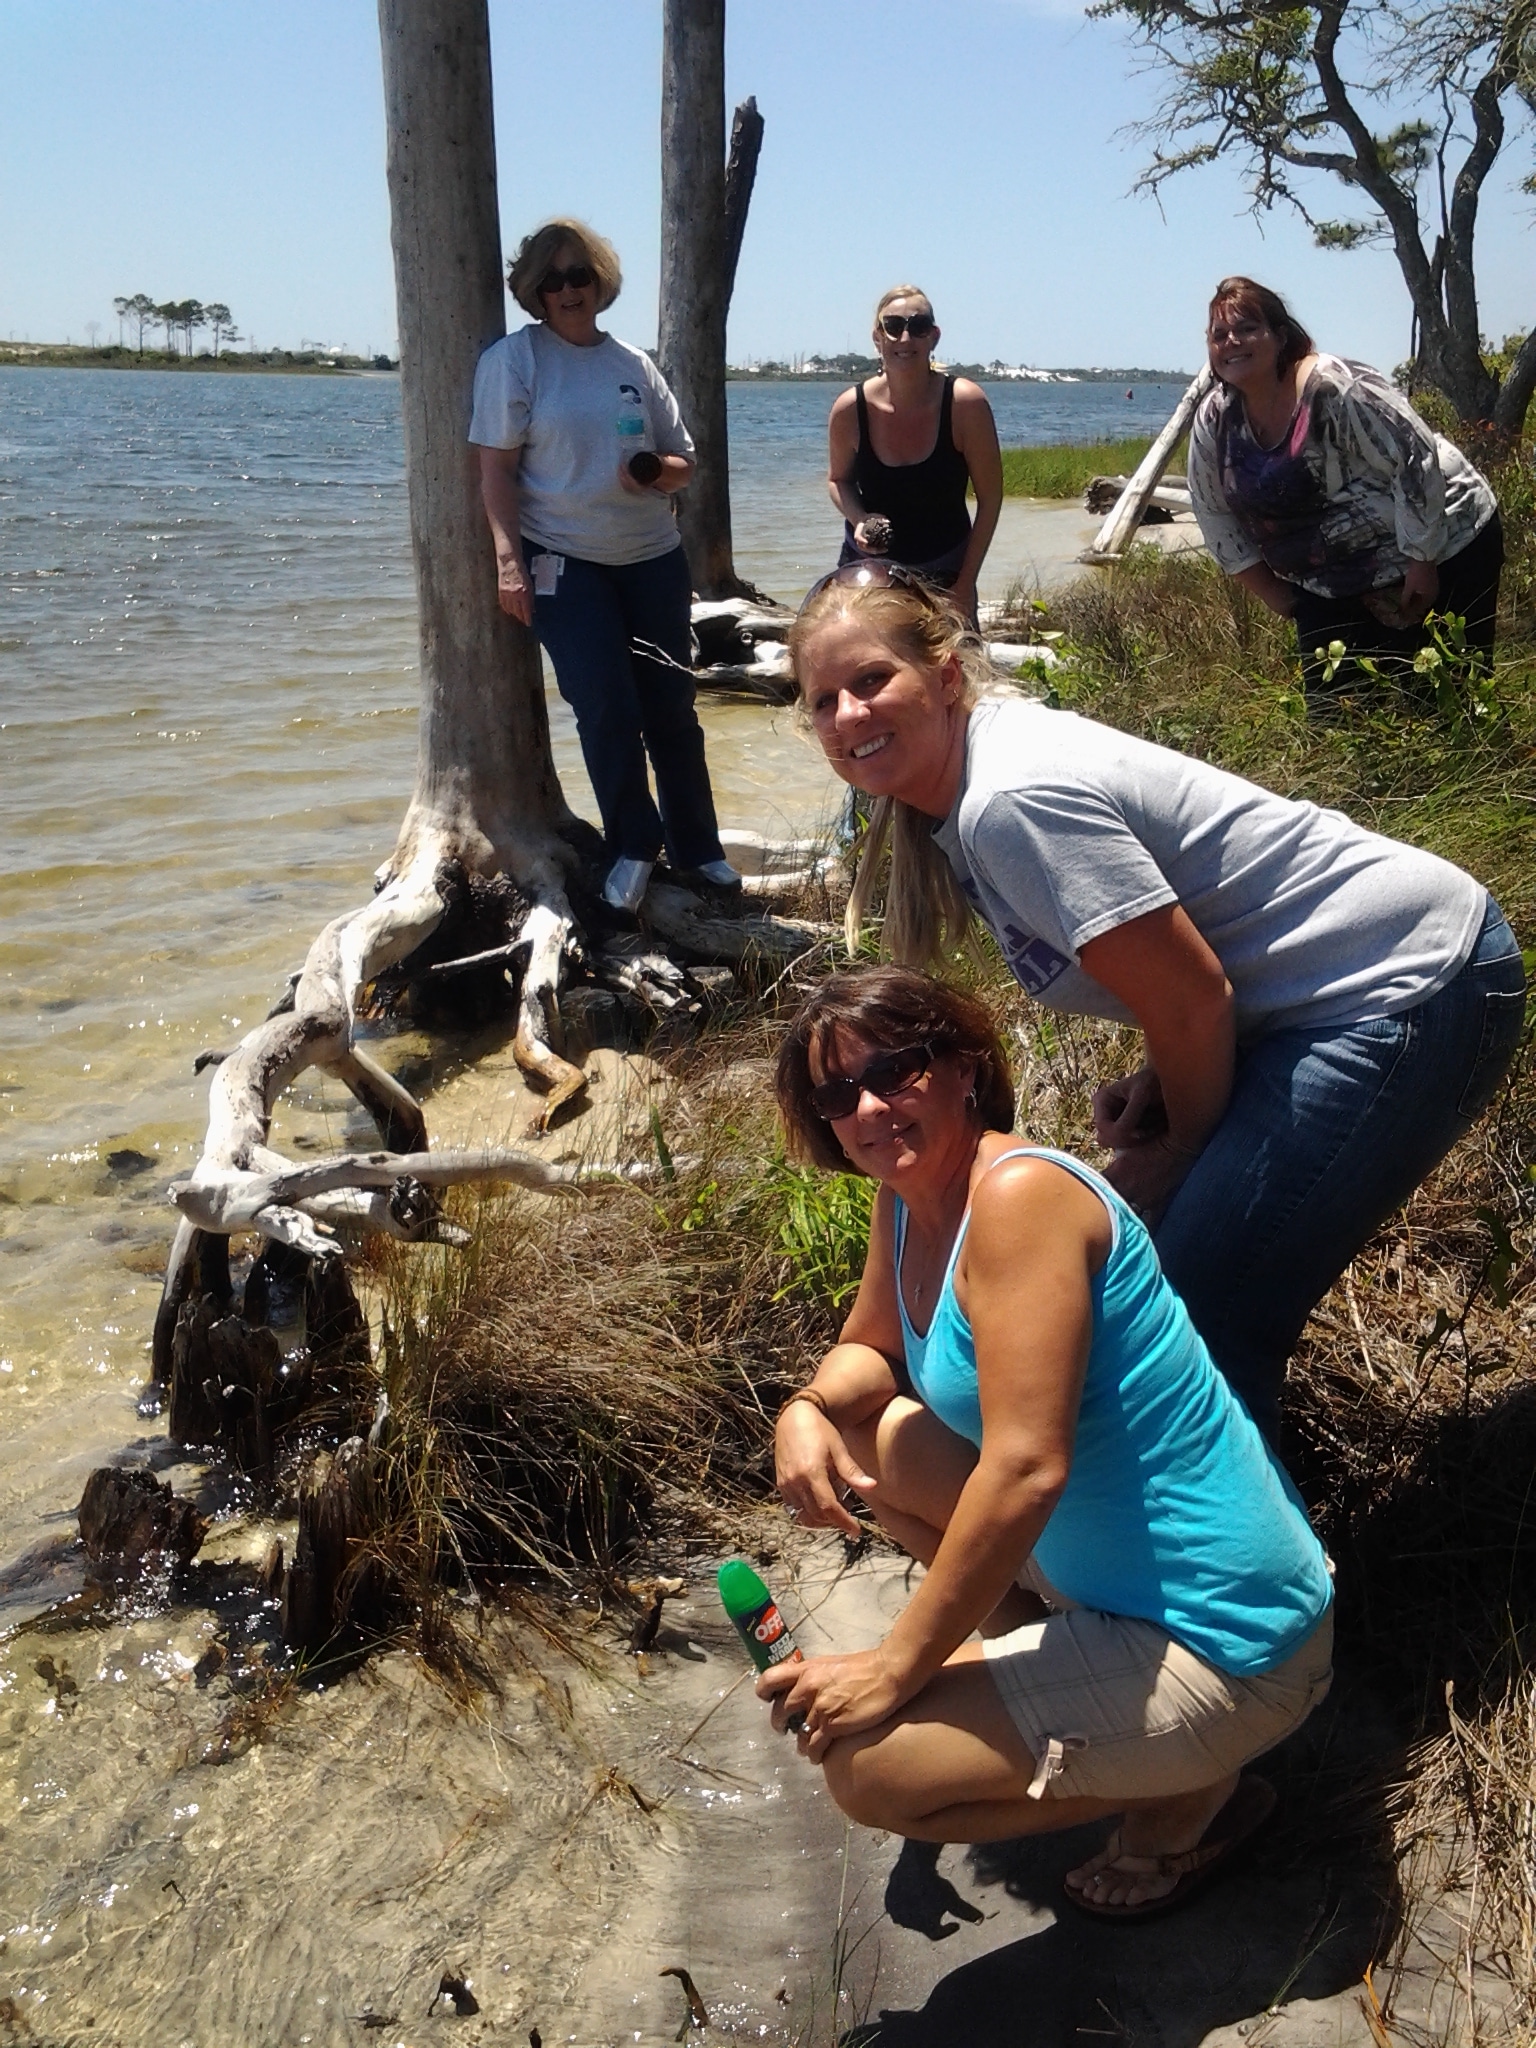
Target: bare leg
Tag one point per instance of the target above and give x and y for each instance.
(919, 1468)
(952, 1767)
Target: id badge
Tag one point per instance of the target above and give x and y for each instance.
(546, 573)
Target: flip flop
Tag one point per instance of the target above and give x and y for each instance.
(1235, 1826)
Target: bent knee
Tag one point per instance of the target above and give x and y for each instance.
(860, 1780)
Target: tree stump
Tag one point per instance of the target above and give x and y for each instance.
(335, 1586)
(129, 1517)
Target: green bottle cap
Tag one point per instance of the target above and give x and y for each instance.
(742, 1592)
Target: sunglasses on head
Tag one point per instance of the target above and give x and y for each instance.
(876, 574)
(575, 279)
(894, 325)
(887, 1074)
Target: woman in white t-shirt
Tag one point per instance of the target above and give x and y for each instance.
(581, 447)
(1325, 1011)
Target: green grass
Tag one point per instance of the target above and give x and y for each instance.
(1063, 471)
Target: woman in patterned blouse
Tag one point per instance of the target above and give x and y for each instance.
(1322, 491)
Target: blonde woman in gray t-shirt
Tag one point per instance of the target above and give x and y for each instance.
(1325, 1011)
(581, 447)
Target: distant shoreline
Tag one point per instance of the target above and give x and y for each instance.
(17, 355)
(980, 373)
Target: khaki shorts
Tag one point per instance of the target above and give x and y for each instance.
(1113, 1708)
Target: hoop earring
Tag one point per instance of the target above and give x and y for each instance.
(970, 1100)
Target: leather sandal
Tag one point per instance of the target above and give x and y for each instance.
(1250, 1806)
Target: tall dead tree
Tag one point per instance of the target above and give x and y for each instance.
(701, 232)
(487, 801)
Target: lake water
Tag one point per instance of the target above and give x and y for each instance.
(208, 720)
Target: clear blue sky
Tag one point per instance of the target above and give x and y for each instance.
(235, 152)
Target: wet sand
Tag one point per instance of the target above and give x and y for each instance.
(564, 1843)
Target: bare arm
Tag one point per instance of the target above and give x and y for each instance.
(1165, 974)
(842, 453)
(975, 433)
(499, 472)
(676, 474)
(1261, 582)
(854, 1381)
(1036, 1237)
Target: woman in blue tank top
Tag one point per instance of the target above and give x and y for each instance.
(1022, 1401)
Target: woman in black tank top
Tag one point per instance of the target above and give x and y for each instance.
(904, 449)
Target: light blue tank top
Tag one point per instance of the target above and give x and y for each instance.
(1176, 1510)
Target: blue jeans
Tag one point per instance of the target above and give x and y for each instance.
(1327, 1132)
(628, 705)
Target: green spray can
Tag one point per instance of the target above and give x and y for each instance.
(759, 1623)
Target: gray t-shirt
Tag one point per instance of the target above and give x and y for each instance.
(1065, 829)
(575, 412)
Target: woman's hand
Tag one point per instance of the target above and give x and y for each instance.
(629, 482)
(838, 1696)
(872, 534)
(1421, 590)
(1129, 1111)
(1148, 1175)
(512, 592)
(811, 1465)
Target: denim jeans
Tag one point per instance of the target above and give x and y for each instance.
(628, 705)
(1327, 1132)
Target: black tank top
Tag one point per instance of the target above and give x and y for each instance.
(924, 501)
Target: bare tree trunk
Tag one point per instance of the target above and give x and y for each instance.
(486, 790)
(740, 177)
(695, 276)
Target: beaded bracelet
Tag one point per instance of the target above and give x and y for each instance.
(804, 1394)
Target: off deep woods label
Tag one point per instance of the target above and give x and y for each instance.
(767, 1627)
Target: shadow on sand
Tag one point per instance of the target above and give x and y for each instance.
(1300, 1916)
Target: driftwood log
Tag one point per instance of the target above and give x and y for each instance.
(1165, 503)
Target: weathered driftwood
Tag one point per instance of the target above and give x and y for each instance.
(1168, 500)
(130, 1517)
(1119, 529)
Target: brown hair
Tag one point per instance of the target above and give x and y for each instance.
(926, 911)
(890, 1007)
(1242, 295)
(537, 251)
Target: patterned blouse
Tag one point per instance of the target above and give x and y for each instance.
(1357, 487)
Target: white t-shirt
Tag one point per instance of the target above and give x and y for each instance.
(575, 412)
(1065, 829)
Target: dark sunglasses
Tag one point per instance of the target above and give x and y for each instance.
(576, 279)
(887, 1074)
(895, 325)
